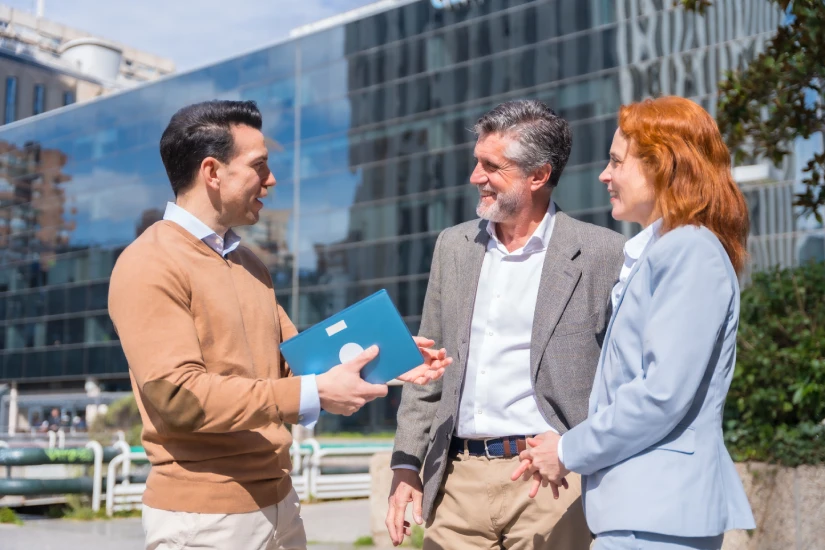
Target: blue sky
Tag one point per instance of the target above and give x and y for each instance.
(190, 32)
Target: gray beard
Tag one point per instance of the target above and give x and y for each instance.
(505, 207)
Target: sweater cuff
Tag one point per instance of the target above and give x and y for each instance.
(286, 399)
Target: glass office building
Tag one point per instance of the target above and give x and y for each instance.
(367, 118)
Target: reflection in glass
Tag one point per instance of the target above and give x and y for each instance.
(376, 112)
(98, 359)
(10, 114)
(75, 330)
(39, 99)
(75, 362)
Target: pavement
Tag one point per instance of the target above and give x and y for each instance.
(333, 525)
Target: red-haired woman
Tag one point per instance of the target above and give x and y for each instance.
(655, 471)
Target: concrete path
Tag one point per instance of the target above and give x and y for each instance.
(330, 526)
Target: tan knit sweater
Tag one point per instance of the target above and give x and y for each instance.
(201, 335)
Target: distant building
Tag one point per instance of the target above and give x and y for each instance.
(45, 65)
(368, 116)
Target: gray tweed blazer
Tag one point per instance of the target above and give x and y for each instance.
(572, 311)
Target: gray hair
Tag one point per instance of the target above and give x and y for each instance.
(541, 136)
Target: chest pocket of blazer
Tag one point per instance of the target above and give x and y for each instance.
(681, 440)
(574, 327)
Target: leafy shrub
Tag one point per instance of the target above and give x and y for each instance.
(124, 415)
(417, 538)
(7, 515)
(776, 405)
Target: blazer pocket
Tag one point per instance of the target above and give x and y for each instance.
(681, 440)
(563, 329)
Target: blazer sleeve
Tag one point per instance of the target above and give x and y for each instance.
(691, 295)
(420, 403)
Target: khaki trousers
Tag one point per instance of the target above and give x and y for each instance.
(479, 507)
(276, 527)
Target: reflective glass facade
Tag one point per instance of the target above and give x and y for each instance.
(368, 122)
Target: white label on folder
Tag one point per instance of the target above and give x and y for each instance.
(336, 328)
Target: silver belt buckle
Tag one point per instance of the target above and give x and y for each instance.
(487, 449)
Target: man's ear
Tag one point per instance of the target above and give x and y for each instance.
(209, 172)
(540, 177)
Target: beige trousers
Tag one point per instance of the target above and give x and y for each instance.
(478, 507)
(276, 527)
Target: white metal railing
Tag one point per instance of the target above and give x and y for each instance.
(126, 451)
(97, 473)
(124, 495)
(308, 478)
(338, 485)
(300, 470)
(58, 438)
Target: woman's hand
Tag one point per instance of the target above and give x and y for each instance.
(540, 461)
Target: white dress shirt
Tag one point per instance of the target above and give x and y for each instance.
(309, 407)
(498, 398)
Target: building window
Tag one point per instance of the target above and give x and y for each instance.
(68, 98)
(39, 99)
(11, 100)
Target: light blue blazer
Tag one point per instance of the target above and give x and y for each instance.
(651, 452)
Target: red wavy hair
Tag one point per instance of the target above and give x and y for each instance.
(683, 154)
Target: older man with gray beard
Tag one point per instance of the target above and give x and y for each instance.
(520, 300)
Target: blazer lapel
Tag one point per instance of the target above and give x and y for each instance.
(599, 383)
(624, 291)
(469, 262)
(559, 276)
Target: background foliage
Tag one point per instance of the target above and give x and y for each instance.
(776, 404)
(780, 96)
(124, 415)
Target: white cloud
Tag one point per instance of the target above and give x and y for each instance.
(107, 195)
(191, 32)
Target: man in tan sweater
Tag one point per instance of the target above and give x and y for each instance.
(200, 326)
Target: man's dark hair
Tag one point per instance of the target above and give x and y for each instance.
(542, 136)
(199, 131)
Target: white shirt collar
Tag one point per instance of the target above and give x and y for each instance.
(182, 217)
(540, 238)
(634, 247)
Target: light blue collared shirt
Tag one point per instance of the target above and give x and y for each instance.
(309, 407)
(632, 252)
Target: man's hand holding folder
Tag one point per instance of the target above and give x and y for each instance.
(343, 391)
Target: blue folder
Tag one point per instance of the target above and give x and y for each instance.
(373, 320)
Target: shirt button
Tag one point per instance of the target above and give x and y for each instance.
(489, 333)
(479, 411)
(484, 372)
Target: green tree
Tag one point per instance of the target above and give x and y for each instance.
(779, 96)
(124, 415)
(776, 403)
